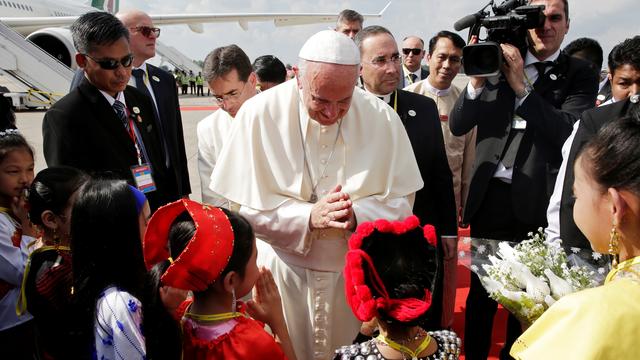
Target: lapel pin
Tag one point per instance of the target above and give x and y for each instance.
(635, 98)
(412, 113)
(553, 77)
(601, 97)
(136, 110)
(155, 78)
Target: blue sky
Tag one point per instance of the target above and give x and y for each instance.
(609, 25)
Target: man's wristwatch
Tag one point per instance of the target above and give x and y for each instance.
(526, 91)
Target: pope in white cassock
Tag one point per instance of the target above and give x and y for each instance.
(306, 161)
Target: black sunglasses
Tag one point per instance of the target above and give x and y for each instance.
(414, 51)
(112, 64)
(147, 30)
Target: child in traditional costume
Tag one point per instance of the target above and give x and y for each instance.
(389, 274)
(16, 234)
(107, 223)
(212, 253)
(47, 284)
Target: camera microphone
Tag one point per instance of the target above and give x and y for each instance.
(466, 21)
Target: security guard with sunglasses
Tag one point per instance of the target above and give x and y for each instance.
(103, 125)
(412, 55)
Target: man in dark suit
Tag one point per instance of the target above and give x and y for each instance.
(103, 125)
(412, 54)
(523, 117)
(435, 202)
(159, 85)
(624, 64)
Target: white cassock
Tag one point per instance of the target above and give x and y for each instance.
(212, 131)
(262, 168)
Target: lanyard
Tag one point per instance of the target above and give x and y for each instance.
(395, 101)
(622, 266)
(133, 135)
(403, 349)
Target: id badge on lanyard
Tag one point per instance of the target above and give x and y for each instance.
(142, 173)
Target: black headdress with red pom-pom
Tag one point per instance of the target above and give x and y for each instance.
(366, 293)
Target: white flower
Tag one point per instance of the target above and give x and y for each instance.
(492, 286)
(461, 254)
(466, 240)
(482, 249)
(601, 271)
(575, 250)
(474, 268)
(596, 255)
(559, 286)
(506, 252)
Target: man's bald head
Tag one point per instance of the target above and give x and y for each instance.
(143, 34)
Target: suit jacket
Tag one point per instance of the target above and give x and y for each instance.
(166, 96)
(590, 122)
(424, 73)
(567, 89)
(82, 130)
(435, 203)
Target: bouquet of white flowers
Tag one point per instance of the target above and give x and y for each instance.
(528, 277)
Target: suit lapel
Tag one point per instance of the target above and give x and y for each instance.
(553, 76)
(105, 116)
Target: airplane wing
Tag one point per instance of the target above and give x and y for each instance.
(27, 25)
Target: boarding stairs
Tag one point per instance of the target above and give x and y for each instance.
(44, 78)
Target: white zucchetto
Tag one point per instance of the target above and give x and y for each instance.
(331, 47)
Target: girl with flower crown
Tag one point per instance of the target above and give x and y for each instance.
(212, 253)
(16, 233)
(603, 322)
(389, 276)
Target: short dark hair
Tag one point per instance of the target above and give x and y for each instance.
(96, 28)
(626, 52)
(590, 49)
(369, 31)
(222, 60)
(456, 39)
(613, 155)
(348, 15)
(566, 8)
(270, 68)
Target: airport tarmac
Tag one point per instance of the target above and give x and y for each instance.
(193, 110)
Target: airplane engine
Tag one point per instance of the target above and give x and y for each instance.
(57, 42)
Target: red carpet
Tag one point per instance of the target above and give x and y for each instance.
(461, 298)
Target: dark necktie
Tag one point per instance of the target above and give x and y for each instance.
(413, 77)
(139, 76)
(542, 66)
(122, 115)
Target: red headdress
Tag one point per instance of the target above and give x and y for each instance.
(365, 301)
(205, 256)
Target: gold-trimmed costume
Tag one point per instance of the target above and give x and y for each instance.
(600, 323)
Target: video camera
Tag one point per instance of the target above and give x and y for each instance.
(509, 24)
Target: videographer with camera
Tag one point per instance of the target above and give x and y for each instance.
(523, 116)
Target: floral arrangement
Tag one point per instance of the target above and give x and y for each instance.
(528, 277)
